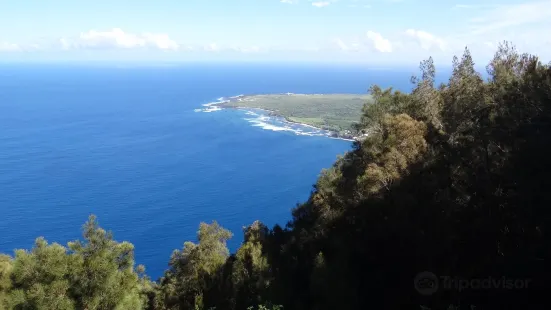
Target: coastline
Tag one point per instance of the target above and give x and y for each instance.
(232, 103)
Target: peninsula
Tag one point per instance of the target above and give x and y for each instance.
(332, 112)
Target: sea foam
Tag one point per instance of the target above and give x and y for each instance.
(211, 106)
(261, 118)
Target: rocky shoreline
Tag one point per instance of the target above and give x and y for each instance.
(233, 103)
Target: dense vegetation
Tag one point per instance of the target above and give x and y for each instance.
(452, 179)
(335, 112)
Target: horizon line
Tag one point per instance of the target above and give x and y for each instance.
(175, 63)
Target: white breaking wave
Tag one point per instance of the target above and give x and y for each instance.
(274, 123)
(211, 109)
(259, 118)
(259, 122)
(251, 113)
(209, 106)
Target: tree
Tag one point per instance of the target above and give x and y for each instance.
(42, 277)
(251, 271)
(6, 268)
(95, 274)
(195, 268)
(106, 278)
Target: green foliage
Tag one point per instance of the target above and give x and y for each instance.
(194, 268)
(403, 143)
(251, 275)
(42, 277)
(6, 267)
(439, 178)
(95, 274)
(442, 175)
(107, 279)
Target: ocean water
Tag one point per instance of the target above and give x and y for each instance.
(138, 147)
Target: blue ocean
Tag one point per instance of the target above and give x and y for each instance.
(137, 146)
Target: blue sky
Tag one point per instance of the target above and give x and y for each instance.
(367, 31)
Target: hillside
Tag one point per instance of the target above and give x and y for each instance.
(444, 206)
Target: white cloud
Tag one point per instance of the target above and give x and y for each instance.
(213, 47)
(342, 46)
(474, 6)
(117, 38)
(353, 46)
(288, 1)
(9, 47)
(365, 6)
(381, 44)
(525, 24)
(321, 4)
(372, 41)
(426, 40)
(252, 49)
(17, 47)
(514, 15)
(465, 6)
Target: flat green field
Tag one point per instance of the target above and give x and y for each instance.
(336, 112)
